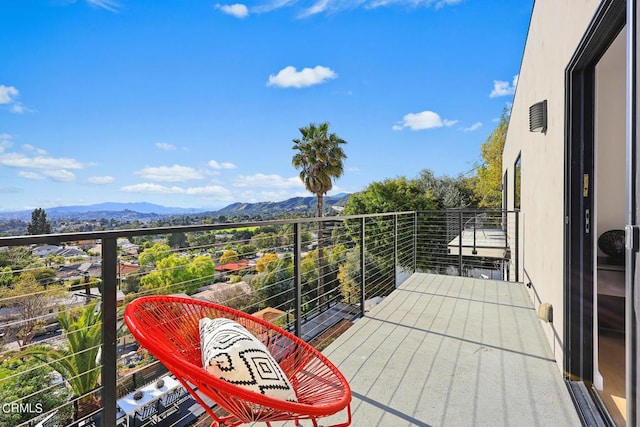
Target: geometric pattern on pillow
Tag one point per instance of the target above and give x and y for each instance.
(233, 354)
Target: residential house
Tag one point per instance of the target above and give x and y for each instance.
(570, 167)
(45, 250)
(220, 293)
(236, 267)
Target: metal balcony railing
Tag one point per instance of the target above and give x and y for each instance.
(67, 359)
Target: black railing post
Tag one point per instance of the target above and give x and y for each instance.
(517, 248)
(395, 250)
(415, 242)
(362, 265)
(109, 330)
(475, 218)
(297, 279)
(460, 232)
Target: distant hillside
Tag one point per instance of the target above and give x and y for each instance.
(119, 211)
(149, 211)
(302, 205)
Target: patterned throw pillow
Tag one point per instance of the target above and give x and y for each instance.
(232, 353)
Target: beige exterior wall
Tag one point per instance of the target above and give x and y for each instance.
(555, 31)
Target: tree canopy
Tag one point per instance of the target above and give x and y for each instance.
(39, 223)
(320, 158)
(390, 195)
(31, 302)
(488, 188)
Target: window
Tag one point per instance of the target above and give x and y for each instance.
(505, 206)
(517, 173)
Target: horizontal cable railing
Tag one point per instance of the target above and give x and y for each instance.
(66, 357)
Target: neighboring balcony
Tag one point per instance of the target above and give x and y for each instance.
(400, 305)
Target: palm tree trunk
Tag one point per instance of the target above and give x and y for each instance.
(320, 254)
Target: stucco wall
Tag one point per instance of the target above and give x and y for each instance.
(554, 33)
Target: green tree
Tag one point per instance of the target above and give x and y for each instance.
(263, 263)
(6, 276)
(349, 277)
(175, 273)
(448, 192)
(154, 254)
(177, 240)
(202, 270)
(488, 187)
(319, 158)
(228, 256)
(78, 360)
(265, 240)
(31, 383)
(31, 302)
(246, 250)
(390, 195)
(274, 287)
(39, 223)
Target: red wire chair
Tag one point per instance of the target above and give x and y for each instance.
(167, 327)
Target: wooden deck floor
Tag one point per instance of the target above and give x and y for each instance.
(451, 351)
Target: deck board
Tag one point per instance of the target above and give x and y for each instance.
(451, 351)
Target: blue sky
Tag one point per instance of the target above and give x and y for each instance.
(194, 103)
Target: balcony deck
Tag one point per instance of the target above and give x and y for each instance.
(452, 351)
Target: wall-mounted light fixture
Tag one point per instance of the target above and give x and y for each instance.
(538, 117)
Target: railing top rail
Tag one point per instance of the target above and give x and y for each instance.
(114, 234)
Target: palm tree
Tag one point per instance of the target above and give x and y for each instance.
(319, 159)
(79, 361)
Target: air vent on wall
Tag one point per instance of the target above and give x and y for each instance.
(538, 117)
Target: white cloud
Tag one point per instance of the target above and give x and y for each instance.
(475, 126)
(210, 191)
(290, 77)
(18, 108)
(442, 3)
(423, 120)
(261, 180)
(7, 94)
(5, 141)
(436, 4)
(319, 7)
(215, 191)
(17, 160)
(30, 175)
(273, 5)
(150, 188)
(31, 149)
(502, 88)
(333, 6)
(175, 173)
(101, 180)
(216, 165)
(238, 9)
(165, 146)
(109, 5)
(61, 175)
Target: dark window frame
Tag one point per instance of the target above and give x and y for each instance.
(517, 182)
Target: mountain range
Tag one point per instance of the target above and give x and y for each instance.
(150, 211)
